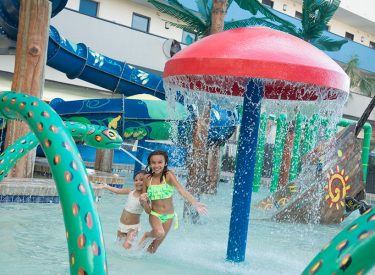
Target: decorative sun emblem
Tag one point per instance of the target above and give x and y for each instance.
(337, 187)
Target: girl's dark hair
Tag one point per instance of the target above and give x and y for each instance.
(139, 172)
(158, 153)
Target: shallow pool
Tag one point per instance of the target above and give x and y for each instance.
(32, 238)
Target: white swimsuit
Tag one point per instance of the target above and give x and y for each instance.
(133, 205)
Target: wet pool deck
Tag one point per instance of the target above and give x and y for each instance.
(34, 190)
(43, 190)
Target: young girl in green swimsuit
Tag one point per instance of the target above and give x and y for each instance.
(158, 187)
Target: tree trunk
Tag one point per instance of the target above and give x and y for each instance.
(287, 156)
(219, 8)
(197, 161)
(103, 160)
(218, 12)
(28, 78)
(214, 170)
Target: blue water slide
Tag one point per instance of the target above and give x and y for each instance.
(79, 61)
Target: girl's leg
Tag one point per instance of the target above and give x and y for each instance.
(157, 230)
(156, 243)
(129, 239)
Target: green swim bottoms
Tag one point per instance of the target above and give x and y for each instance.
(166, 217)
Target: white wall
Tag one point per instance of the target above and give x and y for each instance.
(121, 11)
(115, 41)
(363, 8)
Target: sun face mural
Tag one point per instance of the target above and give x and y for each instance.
(336, 188)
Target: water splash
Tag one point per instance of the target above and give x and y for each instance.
(321, 108)
(132, 156)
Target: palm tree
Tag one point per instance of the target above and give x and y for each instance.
(201, 22)
(316, 15)
(359, 81)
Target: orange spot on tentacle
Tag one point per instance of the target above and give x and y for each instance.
(47, 143)
(75, 209)
(354, 226)
(345, 262)
(89, 221)
(56, 159)
(81, 241)
(68, 176)
(45, 114)
(95, 249)
(72, 259)
(82, 189)
(316, 267)
(40, 126)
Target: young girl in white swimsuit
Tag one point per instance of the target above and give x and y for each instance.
(129, 221)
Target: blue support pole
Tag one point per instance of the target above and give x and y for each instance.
(243, 177)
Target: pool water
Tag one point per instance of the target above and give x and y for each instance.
(32, 238)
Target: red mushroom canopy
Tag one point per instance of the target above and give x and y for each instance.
(293, 68)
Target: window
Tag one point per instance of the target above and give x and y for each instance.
(372, 45)
(268, 3)
(298, 15)
(188, 37)
(88, 7)
(140, 22)
(349, 36)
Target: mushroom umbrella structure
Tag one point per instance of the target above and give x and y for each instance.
(243, 66)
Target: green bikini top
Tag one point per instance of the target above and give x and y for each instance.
(159, 191)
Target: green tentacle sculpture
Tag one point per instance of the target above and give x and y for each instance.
(83, 230)
(350, 252)
(92, 135)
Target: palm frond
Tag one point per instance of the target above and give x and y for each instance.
(253, 6)
(352, 64)
(176, 10)
(325, 43)
(256, 21)
(315, 17)
(190, 28)
(204, 7)
(351, 69)
(367, 85)
(327, 9)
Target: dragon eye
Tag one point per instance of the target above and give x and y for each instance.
(98, 138)
(110, 134)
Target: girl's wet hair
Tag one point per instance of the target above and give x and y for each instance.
(158, 153)
(139, 172)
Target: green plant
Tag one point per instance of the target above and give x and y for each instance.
(316, 15)
(359, 81)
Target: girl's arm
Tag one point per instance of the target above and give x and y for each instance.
(115, 190)
(143, 199)
(145, 203)
(200, 207)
